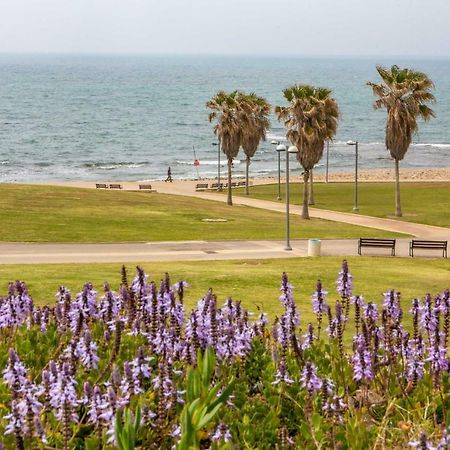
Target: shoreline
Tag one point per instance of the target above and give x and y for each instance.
(367, 175)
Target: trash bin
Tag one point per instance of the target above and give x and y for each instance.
(314, 247)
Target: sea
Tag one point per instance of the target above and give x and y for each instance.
(129, 118)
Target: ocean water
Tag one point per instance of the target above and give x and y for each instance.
(66, 117)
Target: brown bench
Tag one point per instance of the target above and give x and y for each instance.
(429, 245)
(146, 187)
(101, 186)
(374, 242)
(115, 186)
(201, 186)
(216, 186)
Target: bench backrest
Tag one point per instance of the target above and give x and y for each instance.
(201, 186)
(377, 241)
(115, 186)
(101, 186)
(428, 244)
(145, 186)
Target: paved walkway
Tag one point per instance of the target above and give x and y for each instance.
(185, 251)
(214, 250)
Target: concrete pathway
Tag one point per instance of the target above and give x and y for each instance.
(186, 251)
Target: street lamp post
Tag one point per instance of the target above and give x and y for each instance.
(291, 149)
(219, 187)
(355, 143)
(326, 173)
(280, 148)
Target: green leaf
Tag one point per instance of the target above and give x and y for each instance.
(224, 395)
(316, 420)
(212, 393)
(304, 429)
(137, 419)
(191, 408)
(207, 417)
(208, 367)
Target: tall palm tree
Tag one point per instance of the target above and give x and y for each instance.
(310, 119)
(311, 188)
(256, 125)
(227, 112)
(404, 93)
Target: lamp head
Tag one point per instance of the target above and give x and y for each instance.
(281, 148)
(352, 142)
(293, 149)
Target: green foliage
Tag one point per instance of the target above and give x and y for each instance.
(127, 428)
(203, 401)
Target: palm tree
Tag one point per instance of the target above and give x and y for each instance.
(227, 112)
(311, 188)
(404, 93)
(257, 124)
(311, 118)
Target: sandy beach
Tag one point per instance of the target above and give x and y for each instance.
(180, 186)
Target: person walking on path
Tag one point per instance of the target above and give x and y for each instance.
(169, 175)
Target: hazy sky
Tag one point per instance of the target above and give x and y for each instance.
(296, 27)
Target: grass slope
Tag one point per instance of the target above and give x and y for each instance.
(59, 214)
(427, 203)
(255, 282)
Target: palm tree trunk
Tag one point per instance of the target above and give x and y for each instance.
(311, 189)
(229, 198)
(305, 212)
(398, 208)
(246, 176)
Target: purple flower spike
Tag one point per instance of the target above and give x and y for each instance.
(64, 396)
(282, 375)
(221, 433)
(86, 350)
(15, 374)
(344, 284)
(309, 379)
(318, 299)
(362, 360)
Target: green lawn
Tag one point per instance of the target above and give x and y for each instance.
(60, 214)
(255, 282)
(427, 203)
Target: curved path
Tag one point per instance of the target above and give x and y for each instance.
(414, 229)
(212, 250)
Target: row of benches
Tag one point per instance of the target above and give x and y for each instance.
(415, 243)
(142, 187)
(215, 186)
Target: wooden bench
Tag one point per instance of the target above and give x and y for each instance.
(201, 186)
(429, 245)
(146, 187)
(115, 186)
(216, 186)
(101, 186)
(373, 242)
(241, 183)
